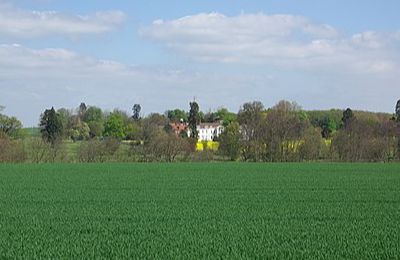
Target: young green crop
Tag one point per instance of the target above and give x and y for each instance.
(192, 210)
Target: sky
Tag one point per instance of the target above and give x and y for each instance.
(163, 54)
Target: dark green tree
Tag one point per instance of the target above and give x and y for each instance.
(51, 126)
(211, 117)
(348, 117)
(328, 126)
(194, 119)
(177, 115)
(398, 111)
(136, 112)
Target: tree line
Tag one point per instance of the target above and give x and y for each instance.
(282, 133)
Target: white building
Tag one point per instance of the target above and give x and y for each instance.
(209, 131)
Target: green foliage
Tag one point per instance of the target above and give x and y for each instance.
(398, 111)
(95, 121)
(195, 211)
(65, 116)
(177, 115)
(114, 126)
(93, 114)
(51, 126)
(230, 141)
(226, 116)
(80, 131)
(328, 120)
(10, 126)
(95, 129)
(132, 131)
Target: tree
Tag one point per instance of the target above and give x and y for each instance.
(51, 126)
(167, 146)
(132, 131)
(211, 117)
(152, 125)
(80, 131)
(96, 129)
(93, 114)
(251, 118)
(328, 120)
(177, 115)
(66, 117)
(348, 117)
(226, 116)
(11, 151)
(311, 147)
(10, 126)
(95, 120)
(82, 110)
(398, 127)
(97, 150)
(194, 119)
(328, 126)
(136, 112)
(114, 126)
(230, 141)
(285, 127)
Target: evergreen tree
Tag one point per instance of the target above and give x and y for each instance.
(348, 116)
(136, 111)
(398, 111)
(193, 119)
(51, 126)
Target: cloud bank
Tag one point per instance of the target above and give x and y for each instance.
(279, 40)
(251, 57)
(34, 79)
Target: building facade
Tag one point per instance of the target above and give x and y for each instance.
(208, 131)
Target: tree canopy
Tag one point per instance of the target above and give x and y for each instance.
(51, 126)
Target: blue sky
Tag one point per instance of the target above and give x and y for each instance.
(161, 54)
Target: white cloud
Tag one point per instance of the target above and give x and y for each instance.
(283, 40)
(32, 80)
(15, 22)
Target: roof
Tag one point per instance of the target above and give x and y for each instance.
(209, 125)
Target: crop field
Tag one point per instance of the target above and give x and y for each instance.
(190, 211)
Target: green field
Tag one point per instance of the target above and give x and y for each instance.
(188, 211)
